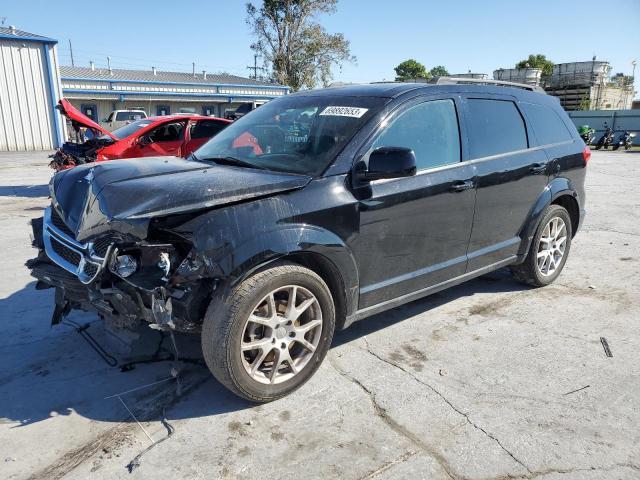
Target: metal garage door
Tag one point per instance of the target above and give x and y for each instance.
(27, 119)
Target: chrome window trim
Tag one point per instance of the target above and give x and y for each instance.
(474, 161)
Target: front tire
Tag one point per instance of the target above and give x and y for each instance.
(549, 249)
(268, 335)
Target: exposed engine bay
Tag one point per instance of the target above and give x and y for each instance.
(72, 154)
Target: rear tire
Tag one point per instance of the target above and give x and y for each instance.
(287, 314)
(549, 249)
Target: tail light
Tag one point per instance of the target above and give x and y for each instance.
(586, 154)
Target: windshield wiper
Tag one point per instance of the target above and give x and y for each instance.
(234, 162)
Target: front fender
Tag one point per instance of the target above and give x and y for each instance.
(558, 187)
(244, 258)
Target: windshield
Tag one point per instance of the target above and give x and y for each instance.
(298, 134)
(130, 128)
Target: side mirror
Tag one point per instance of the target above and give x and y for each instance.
(144, 140)
(387, 162)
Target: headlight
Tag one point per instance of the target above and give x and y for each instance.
(164, 263)
(124, 265)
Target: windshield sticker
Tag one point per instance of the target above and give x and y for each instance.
(355, 112)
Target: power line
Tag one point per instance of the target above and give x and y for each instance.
(152, 62)
(255, 67)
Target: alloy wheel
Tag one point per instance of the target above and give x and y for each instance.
(281, 334)
(551, 246)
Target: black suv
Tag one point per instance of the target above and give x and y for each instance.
(316, 210)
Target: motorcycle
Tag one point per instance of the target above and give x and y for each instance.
(625, 140)
(606, 139)
(587, 134)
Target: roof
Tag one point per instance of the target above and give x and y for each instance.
(394, 90)
(14, 33)
(87, 73)
(382, 89)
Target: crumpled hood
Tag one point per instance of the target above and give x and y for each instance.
(124, 195)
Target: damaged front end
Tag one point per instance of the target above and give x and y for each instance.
(126, 282)
(79, 152)
(131, 239)
(83, 149)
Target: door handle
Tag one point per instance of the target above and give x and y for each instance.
(538, 168)
(462, 186)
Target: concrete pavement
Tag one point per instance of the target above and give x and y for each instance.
(487, 380)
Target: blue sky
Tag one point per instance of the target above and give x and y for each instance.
(461, 35)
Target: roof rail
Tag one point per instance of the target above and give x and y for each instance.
(486, 81)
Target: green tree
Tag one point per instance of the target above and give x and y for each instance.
(439, 71)
(409, 70)
(298, 51)
(537, 61)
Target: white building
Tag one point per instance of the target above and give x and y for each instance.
(29, 92)
(32, 82)
(96, 92)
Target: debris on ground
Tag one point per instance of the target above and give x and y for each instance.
(577, 390)
(135, 463)
(605, 345)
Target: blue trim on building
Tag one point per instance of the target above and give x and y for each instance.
(28, 39)
(58, 137)
(170, 94)
(160, 82)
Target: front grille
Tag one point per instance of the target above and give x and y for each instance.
(90, 269)
(65, 252)
(101, 245)
(57, 222)
(85, 260)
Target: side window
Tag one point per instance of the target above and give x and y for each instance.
(206, 129)
(169, 132)
(430, 129)
(547, 124)
(494, 126)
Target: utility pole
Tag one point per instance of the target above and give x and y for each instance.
(255, 67)
(71, 50)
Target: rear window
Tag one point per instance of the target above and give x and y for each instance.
(547, 124)
(131, 116)
(495, 127)
(206, 129)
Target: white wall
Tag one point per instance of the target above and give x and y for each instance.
(27, 117)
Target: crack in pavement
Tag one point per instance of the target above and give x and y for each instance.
(387, 465)
(563, 471)
(393, 424)
(448, 402)
(531, 474)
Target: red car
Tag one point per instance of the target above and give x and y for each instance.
(174, 135)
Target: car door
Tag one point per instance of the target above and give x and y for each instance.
(414, 231)
(166, 139)
(200, 131)
(511, 174)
